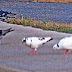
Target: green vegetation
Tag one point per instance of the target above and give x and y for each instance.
(35, 0)
(67, 28)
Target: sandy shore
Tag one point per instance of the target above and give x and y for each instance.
(14, 55)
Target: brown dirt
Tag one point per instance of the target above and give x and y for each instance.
(60, 1)
(57, 1)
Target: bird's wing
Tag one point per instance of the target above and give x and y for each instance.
(37, 42)
(44, 40)
(4, 32)
(67, 43)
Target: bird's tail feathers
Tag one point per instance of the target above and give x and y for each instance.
(47, 39)
(50, 39)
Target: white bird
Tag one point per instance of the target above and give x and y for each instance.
(35, 42)
(64, 43)
(4, 32)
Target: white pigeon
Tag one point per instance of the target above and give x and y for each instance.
(35, 42)
(64, 43)
(4, 32)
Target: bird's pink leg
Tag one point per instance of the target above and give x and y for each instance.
(66, 52)
(33, 52)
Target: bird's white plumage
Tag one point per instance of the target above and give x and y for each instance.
(64, 43)
(35, 42)
(67, 44)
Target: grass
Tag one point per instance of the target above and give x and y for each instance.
(57, 1)
(67, 28)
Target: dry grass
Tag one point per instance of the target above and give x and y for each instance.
(67, 28)
(57, 1)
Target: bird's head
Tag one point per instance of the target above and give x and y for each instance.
(56, 46)
(23, 40)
